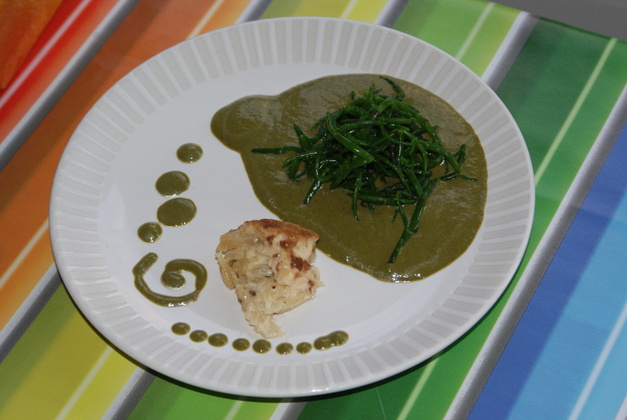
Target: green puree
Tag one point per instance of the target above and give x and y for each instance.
(453, 213)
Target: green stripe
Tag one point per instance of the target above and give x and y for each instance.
(365, 10)
(575, 111)
(549, 87)
(541, 89)
(470, 30)
(167, 400)
(489, 38)
(32, 345)
(280, 8)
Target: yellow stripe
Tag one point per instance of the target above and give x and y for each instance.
(84, 384)
(321, 8)
(110, 375)
(53, 379)
(365, 11)
(349, 9)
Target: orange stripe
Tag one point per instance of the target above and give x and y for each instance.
(227, 13)
(22, 23)
(25, 184)
(25, 277)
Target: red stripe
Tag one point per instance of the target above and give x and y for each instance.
(69, 28)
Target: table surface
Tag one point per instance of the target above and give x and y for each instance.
(553, 346)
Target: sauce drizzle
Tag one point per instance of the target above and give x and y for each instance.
(172, 269)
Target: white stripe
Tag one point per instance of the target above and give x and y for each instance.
(622, 413)
(596, 371)
(127, 398)
(288, 410)
(509, 49)
(475, 30)
(574, 111)
(78, 393)
(206, 18)
(234, 409)
(390, 12)
(28, 310)
(253, 11)
(22, 255)
(381, 403)
(417, 390)
(348, 10)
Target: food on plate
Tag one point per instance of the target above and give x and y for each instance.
(269, 265)
(449, 219)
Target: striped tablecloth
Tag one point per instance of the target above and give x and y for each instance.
(553, 347)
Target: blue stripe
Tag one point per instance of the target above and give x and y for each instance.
(553, 349)
(608, 382)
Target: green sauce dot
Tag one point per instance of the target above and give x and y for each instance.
(241, 344)
(218, 340)
(172, 183)
(303, 348)
(189, 153)
(336, 338)
(176, 212)
(284, 348)
(262, 346)
(180, 328)
(198, 336)
(149, 232)
(322, 343)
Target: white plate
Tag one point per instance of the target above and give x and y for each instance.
(104, 190)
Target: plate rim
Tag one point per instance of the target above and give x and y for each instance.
(75, 293)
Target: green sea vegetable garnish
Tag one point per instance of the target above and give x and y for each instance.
(381, 150)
